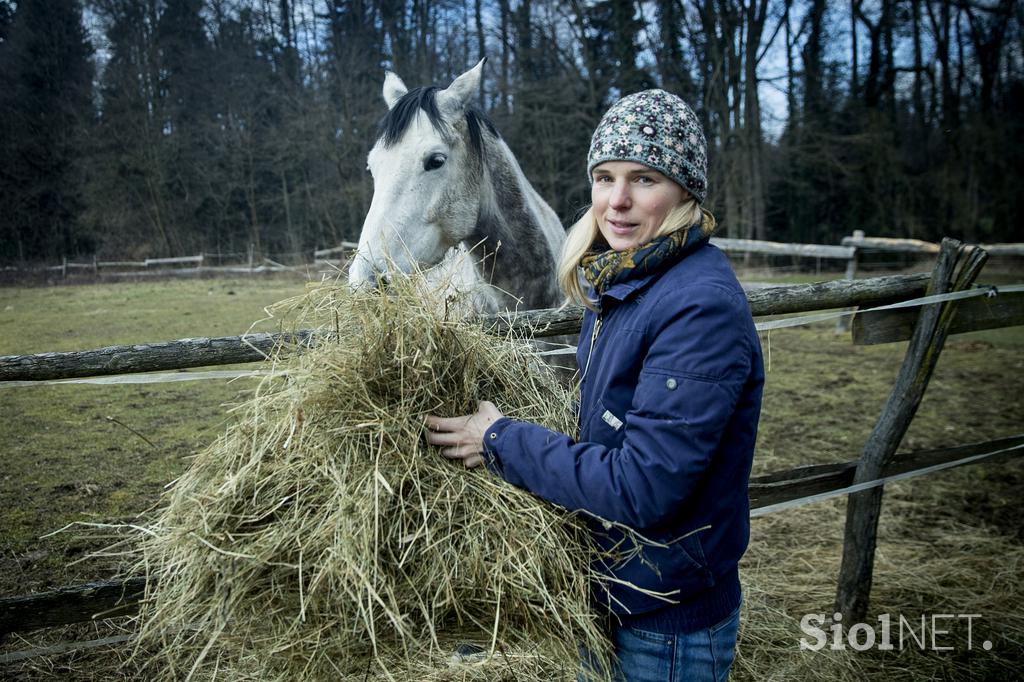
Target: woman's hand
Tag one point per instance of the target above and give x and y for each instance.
(463, 437)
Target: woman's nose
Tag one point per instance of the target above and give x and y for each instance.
(620, 196)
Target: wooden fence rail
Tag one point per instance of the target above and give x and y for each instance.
(204, 352)
(246, 262)
(339, 250)
(892, 245)
(1001, 309)
(783, 249)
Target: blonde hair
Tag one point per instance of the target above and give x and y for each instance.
(583, 233)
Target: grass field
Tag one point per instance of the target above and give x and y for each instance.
(951, 543)
(104, 453)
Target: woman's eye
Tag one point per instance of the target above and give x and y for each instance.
(434, 161)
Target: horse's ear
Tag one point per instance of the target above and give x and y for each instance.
(394, 89)
(464, 88)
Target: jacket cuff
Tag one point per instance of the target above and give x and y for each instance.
(492, 444)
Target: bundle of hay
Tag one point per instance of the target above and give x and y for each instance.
(321, 537)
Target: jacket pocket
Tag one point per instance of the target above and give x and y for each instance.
(604, 426)
(686, 565)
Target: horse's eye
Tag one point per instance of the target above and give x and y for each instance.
(434, 161)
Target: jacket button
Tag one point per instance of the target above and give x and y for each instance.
(670, 384)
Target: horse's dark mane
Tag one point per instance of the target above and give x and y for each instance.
(397, 120)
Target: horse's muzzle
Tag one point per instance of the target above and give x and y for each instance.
(369, 278)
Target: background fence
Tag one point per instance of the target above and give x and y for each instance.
(250, 262)
(850, 254)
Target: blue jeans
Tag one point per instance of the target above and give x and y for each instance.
(702, 656)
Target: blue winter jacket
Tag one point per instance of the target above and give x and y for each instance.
(669, 405)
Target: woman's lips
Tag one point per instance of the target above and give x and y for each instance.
(620, 227)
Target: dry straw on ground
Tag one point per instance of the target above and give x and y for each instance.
(932, 558)
(320, 537)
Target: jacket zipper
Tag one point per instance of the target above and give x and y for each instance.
(593, 341)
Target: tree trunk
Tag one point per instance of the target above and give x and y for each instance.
(757, 13)
(481, 47)
(854, 87)
(917, 97)
(503, 10)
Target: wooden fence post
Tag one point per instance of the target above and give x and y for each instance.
(933, 322)
(64, 268)
(251, 249)
(843, 323)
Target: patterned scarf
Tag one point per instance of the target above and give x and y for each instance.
(605, 268)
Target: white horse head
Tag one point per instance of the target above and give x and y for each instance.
(448, 192)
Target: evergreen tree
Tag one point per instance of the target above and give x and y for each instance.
(620, 22)
(46, 112)
(127, 201)
(187, 70)
(673, 61)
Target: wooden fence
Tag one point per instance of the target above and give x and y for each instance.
(926, 328)
(244, 263)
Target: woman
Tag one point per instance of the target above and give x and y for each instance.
(669, 399)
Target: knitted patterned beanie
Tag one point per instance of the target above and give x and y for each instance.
(659, 130)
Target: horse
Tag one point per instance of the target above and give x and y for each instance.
(448, 194)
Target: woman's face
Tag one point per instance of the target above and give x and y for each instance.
(630, 201)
